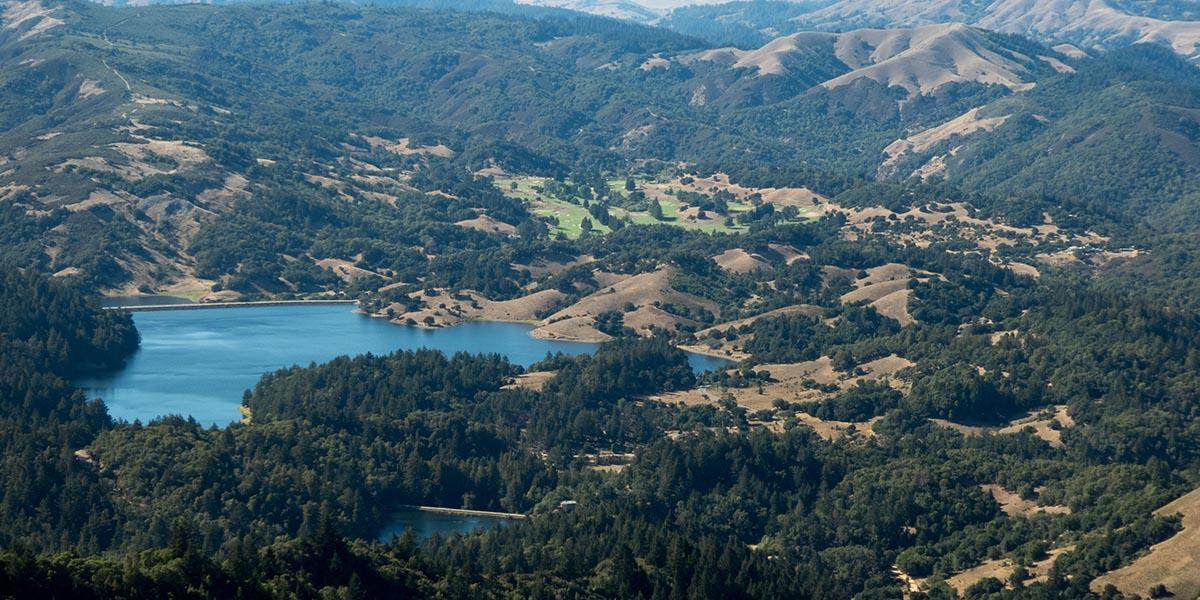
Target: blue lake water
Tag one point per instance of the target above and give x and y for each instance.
(425, 525)
(199, 362)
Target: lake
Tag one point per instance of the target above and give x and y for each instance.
(427, 524)
(198, 362)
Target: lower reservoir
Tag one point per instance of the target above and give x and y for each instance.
(426, 524)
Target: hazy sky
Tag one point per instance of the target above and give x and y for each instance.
(656, 4)
(674, 3)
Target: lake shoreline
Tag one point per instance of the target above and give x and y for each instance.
(239, 304)
(705, 351)
(534, 333)
(199, 364)
(425, 522)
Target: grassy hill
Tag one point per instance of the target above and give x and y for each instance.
(1094, 25)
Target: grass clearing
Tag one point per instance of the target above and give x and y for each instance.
(570, 217)
(570, 214)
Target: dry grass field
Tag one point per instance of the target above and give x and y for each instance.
(1046, 424)
(1015, 506)
(1002, 569)
(794, 382)
(1174, 562)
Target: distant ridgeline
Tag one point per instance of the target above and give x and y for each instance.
(1093, 25)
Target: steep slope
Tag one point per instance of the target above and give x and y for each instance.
(1132, 148)
(854, 14)
(921, 143)
(744, 24)
(1172, 562)
(924, 59)
(1090, 24)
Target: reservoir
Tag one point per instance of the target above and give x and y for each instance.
(199, 362)
(425, 525)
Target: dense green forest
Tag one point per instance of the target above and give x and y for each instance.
(49, 333)
(722, 510)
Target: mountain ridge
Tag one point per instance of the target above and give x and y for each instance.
(1090, 24)
(919, 61)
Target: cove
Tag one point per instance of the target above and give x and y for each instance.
(199, 362)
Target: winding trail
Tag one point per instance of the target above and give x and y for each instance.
(128, 88)
(104, 35)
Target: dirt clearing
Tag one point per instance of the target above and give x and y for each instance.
(737, 260)
(796, 382)
(1014, 505)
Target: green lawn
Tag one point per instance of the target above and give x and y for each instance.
(524, 189)
(570, 215)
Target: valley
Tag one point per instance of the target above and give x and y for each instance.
(821, 299)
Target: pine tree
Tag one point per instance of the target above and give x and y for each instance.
(656, 210)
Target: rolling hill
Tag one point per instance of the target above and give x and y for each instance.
(1094, 25)
(125, 133)
(900, 64)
